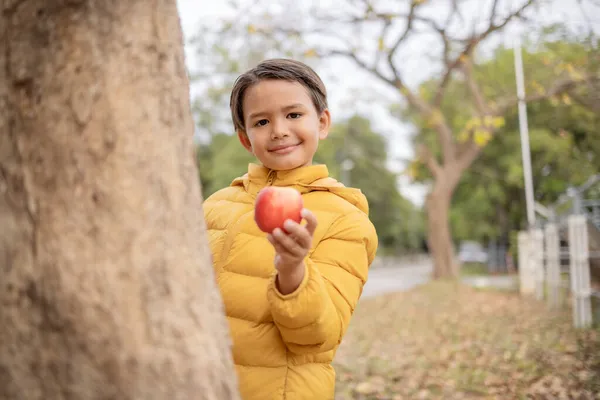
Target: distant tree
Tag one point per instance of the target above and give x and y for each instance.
(563, 140)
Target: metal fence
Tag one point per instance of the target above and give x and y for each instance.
(558, 255)
(499, 261)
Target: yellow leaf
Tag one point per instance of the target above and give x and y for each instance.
(435, 118)
(463, 136)
(491, 122)
(463, 58)
(381, 44)
(482, 137)
(559, 68)
(569, 68)
(310, 53)
(498, 122)
(576, 75)
(566, 99)
(472, 123)
(412, 170)
(538, 87)
(251, 28)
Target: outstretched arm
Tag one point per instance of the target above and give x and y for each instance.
(314, 317)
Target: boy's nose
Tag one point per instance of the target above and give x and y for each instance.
(279, 130)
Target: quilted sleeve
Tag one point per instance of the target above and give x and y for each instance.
(314, 317)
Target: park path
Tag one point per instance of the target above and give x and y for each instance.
(400, 278)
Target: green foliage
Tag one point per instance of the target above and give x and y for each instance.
(220, 161)
(564, 152)
(492, 192)
(399, 223)
(563, 134)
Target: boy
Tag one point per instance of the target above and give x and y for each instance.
(288, 295)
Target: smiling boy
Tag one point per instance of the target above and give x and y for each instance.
(288, 296)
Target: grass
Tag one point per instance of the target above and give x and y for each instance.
(444, 340)
(474, 269)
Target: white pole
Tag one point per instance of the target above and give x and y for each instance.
(580, 271)
(553, 264)
(537, 261)
(526, 272)
(524, 130)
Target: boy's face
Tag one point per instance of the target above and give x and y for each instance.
(283, 127)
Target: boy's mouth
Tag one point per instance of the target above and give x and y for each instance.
(284, 148)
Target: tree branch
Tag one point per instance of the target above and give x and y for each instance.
(435, 117)
(472, 43)
(386, 26)
(475, 89)
(467, 154)
(401, 38)
(351, 55)
(561, 86)
(372, 16)
(592, 104)
(429, 160)
(494, 10)
(442, 128)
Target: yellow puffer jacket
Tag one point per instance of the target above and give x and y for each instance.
(283, 345)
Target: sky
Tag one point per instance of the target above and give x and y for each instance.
(415, 69)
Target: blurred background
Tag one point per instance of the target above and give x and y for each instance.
(424, 100)
(376, 133)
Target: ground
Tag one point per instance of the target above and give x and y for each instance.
(445, 340)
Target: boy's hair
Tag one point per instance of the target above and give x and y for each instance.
(276, 69)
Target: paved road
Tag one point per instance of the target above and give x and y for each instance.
(397, 279)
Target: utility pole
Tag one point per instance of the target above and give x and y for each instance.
(524, 133)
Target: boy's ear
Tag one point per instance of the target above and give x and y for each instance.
(324, 124)
(244, 140)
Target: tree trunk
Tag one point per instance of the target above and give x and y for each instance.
(439, 235)
(106, 284)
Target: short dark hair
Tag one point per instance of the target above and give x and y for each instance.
(277, 69)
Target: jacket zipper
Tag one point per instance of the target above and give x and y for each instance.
(237, 226)
(271, 177)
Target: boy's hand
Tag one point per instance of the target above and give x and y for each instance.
(291, 248)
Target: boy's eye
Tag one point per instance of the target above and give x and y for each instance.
(294, 115)
(262, 122)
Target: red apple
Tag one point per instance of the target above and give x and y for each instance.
(274, 205)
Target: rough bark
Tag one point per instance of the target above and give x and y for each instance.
(106, 284)
(439, 236)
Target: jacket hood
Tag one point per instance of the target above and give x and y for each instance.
(304, 179)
